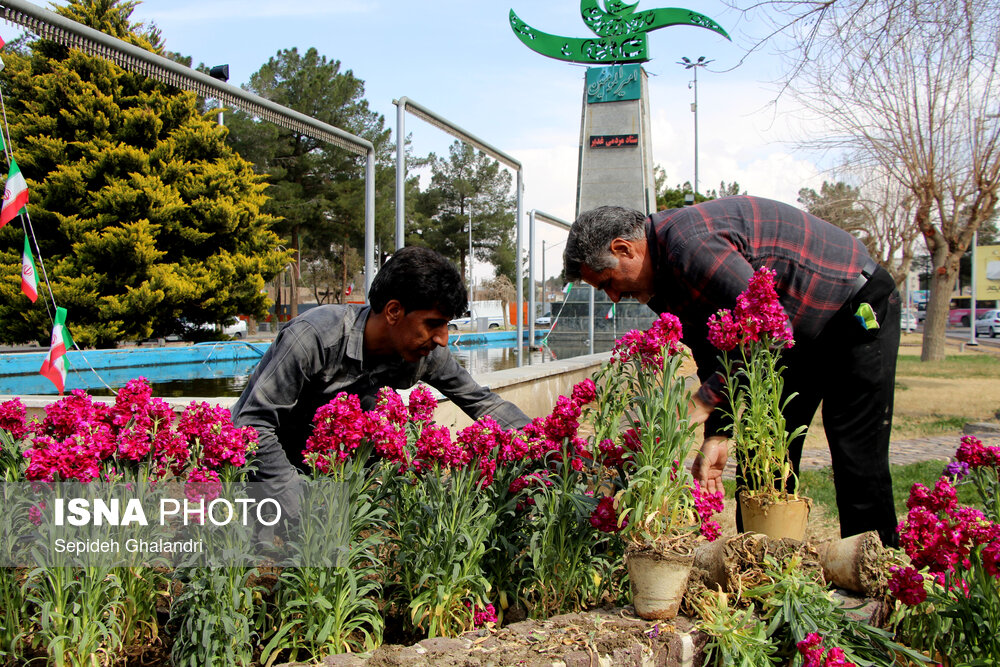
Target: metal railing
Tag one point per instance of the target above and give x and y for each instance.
(69, 33)
(404, 104)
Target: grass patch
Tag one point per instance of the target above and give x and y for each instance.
(818, 485)
(915, 426)
(977, 365)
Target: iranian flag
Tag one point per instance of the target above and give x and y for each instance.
(611, 312)
(15, 195)
(29, 280)
(54, 366)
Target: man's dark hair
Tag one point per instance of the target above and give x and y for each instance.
(420, 279)
(590, 238)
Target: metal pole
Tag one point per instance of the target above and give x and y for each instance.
(972, 300)
(471, 283)
(694, 108)
(531, 277)
(369, 221)
(400, 172)
(519, 268)
(687, 63)
(590, 329)
(543, 278)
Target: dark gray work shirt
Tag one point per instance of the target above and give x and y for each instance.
(320, 354)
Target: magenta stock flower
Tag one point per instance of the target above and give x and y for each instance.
(35, 513)
(202, 484)
(907, 585)
(811, 648)
(972, 452)
(422, 403)
(723, 331)
(12, 418)
(584, 392)
(706, 505)
(612, 455)
(389, 405)
(648, 347)
(481, 615)
(757, 318)
(221, 441)
(435, 447)
(338, 429)
(605, 518)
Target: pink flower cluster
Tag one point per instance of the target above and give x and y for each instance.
(338, 429)
(648, 347)
(202, 484)
(943, 536)
(707, 504)
(605, 518)
(12, 418)
(973, 453)
(340, 426)
(482, 615)
(757, 318)
(78, 437)
(422, 404)
(812, 650)
(939, 534)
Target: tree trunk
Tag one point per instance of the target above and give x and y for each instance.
(945, 268)
(342, 297)
(293, 300)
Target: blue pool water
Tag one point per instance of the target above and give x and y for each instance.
(214, 369)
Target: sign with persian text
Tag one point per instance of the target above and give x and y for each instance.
(616, 83)
(614, 140)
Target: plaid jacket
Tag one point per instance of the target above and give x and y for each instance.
(704, 256)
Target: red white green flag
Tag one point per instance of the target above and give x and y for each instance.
(611, 312)
(54, 366)
(29, 281)
(15, 194)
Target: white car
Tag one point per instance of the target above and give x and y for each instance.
(467, 322)
(238, 329)
(988, 324)
(907, 320)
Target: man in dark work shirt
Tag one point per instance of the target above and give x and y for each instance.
(398, 339)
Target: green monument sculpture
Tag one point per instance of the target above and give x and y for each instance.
(616, 152)
(620, 29)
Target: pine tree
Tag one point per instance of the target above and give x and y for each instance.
(143, 213)
(317, 188)
(468, 183)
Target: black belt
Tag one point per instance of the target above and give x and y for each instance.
(866, 272)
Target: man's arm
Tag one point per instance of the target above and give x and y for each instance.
(274, 391)
(446, 375)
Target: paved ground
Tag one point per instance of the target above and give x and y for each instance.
(901, 452)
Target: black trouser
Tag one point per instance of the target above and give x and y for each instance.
(852, 371)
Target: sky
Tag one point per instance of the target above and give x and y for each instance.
(461, 59)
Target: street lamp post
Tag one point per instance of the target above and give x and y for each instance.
(220, 72)
(687, 63)
(471, 295)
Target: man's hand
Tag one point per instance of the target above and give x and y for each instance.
(710, 462)
(698, 410)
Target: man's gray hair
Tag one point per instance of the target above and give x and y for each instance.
(591, 236)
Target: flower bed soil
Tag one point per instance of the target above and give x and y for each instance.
(612, 636)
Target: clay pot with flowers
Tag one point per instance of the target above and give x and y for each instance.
(751, 338)
(644, 436)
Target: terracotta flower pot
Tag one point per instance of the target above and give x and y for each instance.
(658, 583)
(775, 518)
